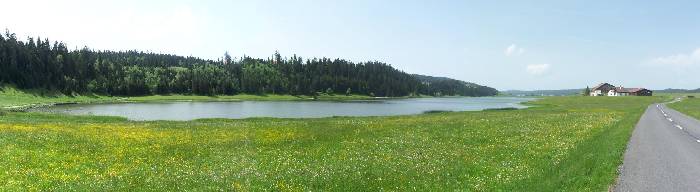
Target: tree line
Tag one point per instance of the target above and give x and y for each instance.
(40, 64)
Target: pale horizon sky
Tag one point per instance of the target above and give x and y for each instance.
(506, 45)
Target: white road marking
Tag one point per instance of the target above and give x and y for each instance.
(679, 127)
(669, 119)
(698, 141)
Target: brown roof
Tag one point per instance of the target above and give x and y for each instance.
(618, 89)
(600, 85)
(627, 90)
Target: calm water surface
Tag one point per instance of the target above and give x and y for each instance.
(285, 109)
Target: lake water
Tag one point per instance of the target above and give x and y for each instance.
(286, 109)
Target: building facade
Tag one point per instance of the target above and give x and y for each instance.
(602, 89)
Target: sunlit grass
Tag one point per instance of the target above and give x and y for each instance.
(688, 106)
(563, 143)
(14, 98)
(671, 96)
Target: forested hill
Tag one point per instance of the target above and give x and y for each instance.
(40, 64)
(447, 86)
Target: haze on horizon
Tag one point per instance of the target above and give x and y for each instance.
(506, 45)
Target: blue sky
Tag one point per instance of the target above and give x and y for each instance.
(504, 44)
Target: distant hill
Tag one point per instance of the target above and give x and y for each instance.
(560, 92)
(670, 90)
(438, 86)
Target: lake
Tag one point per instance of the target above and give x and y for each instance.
(285, 109)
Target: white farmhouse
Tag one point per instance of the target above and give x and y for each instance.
(602, 89)
(606, 89)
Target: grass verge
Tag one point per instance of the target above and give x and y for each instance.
(688, 106)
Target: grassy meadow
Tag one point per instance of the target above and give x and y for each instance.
(12, 98)
(562, 144)
(15, 98)
(688, 106)
(678, 95)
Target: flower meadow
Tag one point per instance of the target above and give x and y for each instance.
(561, 143)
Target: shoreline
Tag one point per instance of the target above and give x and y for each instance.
(33, 101)
(23, 106)
(40, 108)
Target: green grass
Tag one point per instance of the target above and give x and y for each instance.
(688, 106)
(14, 98)
(561, 144)
(592, 164)
(677, 95)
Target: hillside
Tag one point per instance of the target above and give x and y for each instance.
(40, 64)
(446, 86)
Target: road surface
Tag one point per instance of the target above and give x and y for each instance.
(663, 153)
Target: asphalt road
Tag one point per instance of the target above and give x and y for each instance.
(663, 153)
